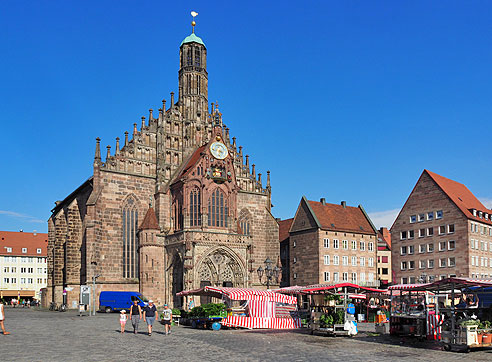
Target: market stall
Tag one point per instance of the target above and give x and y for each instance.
(251, 308)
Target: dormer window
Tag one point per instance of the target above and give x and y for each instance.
(480, 214)
(24, 250)
(474, 211)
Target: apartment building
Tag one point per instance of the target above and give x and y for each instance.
(384, 256)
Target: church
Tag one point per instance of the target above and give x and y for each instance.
(175, 206)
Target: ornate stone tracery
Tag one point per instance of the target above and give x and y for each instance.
(220, 267)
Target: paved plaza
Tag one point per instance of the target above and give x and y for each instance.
(40, 335)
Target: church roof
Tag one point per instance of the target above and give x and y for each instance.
(192, 38)
(283, 228)
(193, 160)
(150, 221)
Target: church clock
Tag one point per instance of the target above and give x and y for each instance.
(219, 150)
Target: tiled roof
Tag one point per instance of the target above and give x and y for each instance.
(18, 240)
(283, 228)
(385, 236)
(150, 221)
(461, 196)
(193, 160)
(339, 218)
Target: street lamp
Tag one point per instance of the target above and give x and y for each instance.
(94, 278)
(269, 272)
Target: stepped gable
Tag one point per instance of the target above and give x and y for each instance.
(150, 221)
(460, 196)
(283, 229)
(341, 218)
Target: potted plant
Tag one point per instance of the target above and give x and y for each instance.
(487, 333)
(326, 321)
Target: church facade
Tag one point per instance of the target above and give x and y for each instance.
(175, 206)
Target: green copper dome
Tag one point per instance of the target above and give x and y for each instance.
(192, 38)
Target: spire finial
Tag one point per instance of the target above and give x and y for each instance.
(193, 23)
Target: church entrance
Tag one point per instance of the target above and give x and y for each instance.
(177, 281)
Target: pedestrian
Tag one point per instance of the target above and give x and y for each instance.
(2, 318)
(167, 317)
(123, 319)
(149, 316)
(191, 304)
(135, 315)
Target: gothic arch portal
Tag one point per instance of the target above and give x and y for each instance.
(220, 266)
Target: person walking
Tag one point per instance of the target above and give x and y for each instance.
(2, 318)
(167, 317)
(149, 316)
(123, 319)
(135, 315)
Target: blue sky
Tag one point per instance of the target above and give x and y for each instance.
(346, 100)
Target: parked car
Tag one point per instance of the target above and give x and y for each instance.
(116, 301)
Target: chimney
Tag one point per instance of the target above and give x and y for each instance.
(172, 99)
(35, 233)
(344, 204)
(323, 201)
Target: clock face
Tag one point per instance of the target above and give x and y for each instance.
(219, 150)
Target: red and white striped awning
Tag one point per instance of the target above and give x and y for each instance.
(241, 294)
(408, 286)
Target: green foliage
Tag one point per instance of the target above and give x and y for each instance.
(208, 310)
(339, 317)
(334, 297)
(470, 322)
(176, 311)
(326, 320)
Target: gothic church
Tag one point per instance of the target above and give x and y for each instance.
(177, 206)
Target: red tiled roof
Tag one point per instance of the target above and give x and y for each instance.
(338, 218)
(461, 196)
(150, 221)
(283, 228)
(18, 240)
(193, 160)
(385, 236)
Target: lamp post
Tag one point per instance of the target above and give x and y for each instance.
(269, 272)
(94, 293)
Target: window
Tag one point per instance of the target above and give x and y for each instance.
(30, 270)
(29, 280)
(370, 246)
(451, 245)
(217, 209)
(9, 250)
(476, 244)
(327, 260)
(385, 259)
(421, 233)
(335, 260)
(6, 280)
(421, 264)
(196, 214)
(370, 262)
(294, 244)
(362, 246)
(23, 270)
(197, 56)
(6, 269)
(295, 260)
(422, 248)
(411, 264)
(442, 263)
(326, 243)
(354, 245)
(452, 262)
(14, 269)
(354, 261)
(295, 275)
(345, 244)
(344, 260)
(362, 261)
(430, 263)
(336, 278)
(439, 214)
(411, 234)
(413, 218)
(354, 278)
(473, 260)
(430, 215)
(24, 250)
(39, 280)
(451, 228)
(442, 245)
(442, 229)
(403, 250)
(385, 271)
(335, 244)
(30, 259)
(403, 235)
(430, 247)
(38, 250)
(327, 276)
(23, 280)
(130, 240)
(40, 270)
(14, 280)
(362, 277)
(472, 244)
(23, 259)
(421, 217)
(430, 231)
(345, 277)
(371, 277)
(410, 249)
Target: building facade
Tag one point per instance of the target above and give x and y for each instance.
(207, 212)
(23, 265)
(332, 243)
(443, 230)
(284, 239)
(384, 256)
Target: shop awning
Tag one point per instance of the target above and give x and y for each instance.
(241, 294)
(17, 293)
(409, 286)
(321, 288)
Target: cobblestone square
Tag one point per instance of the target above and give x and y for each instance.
(40, 335)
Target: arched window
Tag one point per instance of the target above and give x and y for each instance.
(195, 207)
(245, 226)
(217, 209)
(130, 241)
(189, 60)
(197, 57)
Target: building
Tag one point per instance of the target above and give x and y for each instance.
(23, 265)
(178, 205)
(384, 256)
(332, 243)
(284, 239)
(443, 230)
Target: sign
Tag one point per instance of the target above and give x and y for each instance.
(85, 294)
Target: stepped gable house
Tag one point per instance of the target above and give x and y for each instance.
(175, 206)
(442, 231)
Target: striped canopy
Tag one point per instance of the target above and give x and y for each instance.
(320, 288)
(241, 294)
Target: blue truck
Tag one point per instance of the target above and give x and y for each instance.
(116, 301)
